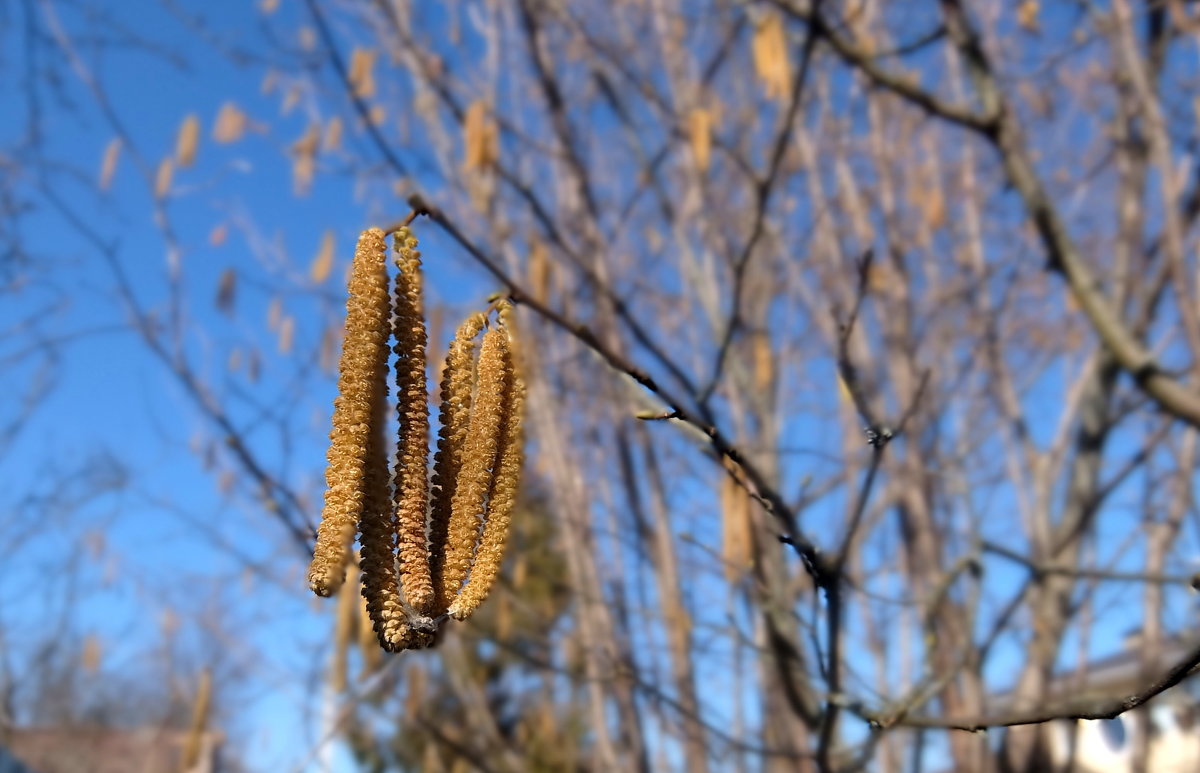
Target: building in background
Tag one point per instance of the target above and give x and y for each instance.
(104, 750)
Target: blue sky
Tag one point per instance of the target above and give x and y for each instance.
(168, 520)
(164, 529)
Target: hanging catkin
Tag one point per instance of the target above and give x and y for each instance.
(502, 495)
(377, 536)
(412, 452)
(478, 459)
(427, 552)
(364, 359)
(453, 417)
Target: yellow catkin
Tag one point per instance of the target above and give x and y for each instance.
(377, 535)
(502, 496)
(231, 124)
(362, 72)
(700, 134)
(368, 642)
(343, 629)
(191, 746)
(478, 459)
(163, 178)
(481, 140)
(769, 48)
(364, 357)
(736, 542)
(454, 414)
(322, 264)
(412, 453)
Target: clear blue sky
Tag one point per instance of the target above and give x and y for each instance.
(110, 397)
(166, 528)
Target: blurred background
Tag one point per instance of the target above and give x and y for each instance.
(745, 238)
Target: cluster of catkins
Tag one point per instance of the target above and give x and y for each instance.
(430, 549)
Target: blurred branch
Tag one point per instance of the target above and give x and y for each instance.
(1000, 126)
(773, 501)
(1040, 569)
(763, 188)
(1107, 707)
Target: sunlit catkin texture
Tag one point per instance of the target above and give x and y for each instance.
(502, 495)
(377, 532)
(364, 358)
(412, 453)
(458, 378)
(478, 458)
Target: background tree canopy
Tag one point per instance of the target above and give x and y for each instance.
(861, 338)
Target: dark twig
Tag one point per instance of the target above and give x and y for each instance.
(756, 481)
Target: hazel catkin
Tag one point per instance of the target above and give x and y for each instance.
(364, 357)
(454, 415)
(502, 494)
(412, 488)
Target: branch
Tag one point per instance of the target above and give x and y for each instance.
(773, 502)
(1038, 569)
(763, 189)
(1079, 708)
(999, 125)
(902, 85)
